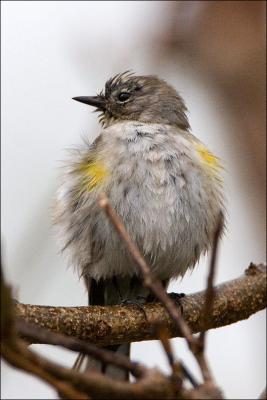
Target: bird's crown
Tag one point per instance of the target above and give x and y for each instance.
(141, 98)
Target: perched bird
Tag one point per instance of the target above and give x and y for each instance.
(161, 180)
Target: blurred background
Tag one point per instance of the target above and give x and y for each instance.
(213, 52)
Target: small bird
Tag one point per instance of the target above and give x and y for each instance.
(162, 181)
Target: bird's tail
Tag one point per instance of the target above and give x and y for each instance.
(109, 292)
(87, 363)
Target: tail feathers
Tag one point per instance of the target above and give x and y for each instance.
(79, 362)
(109, 292)
(86, 363)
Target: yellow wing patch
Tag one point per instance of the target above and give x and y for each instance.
(93, 174)
(206, 156)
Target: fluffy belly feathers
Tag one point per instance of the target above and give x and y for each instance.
(167, 192)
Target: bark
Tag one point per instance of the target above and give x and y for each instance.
(234, 301)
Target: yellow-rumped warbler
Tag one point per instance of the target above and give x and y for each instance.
(161, 180)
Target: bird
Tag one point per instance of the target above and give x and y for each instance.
(163, 182)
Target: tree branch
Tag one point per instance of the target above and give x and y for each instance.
(71, 384)
(35, 333)
(234, 301)
(210, 294)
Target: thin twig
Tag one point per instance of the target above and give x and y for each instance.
(209, 299)
(188, 374)
(179, 370)
(174, 365)
(210, 292)
(177, 366)
(166, 344)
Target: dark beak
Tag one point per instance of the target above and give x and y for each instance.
(95, 101)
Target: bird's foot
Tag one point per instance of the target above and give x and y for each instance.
(177, 297)
(138, 301)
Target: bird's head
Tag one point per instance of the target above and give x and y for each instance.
(139, 98)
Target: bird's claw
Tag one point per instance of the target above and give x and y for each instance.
(139, 301)
(177, 297)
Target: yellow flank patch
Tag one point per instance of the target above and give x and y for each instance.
(208, 158)
(93, 174)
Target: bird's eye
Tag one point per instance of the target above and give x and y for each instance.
(123, 96)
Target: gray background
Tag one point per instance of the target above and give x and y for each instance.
(52, 51)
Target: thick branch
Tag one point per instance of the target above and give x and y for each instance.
(34, 332)
(234, 301)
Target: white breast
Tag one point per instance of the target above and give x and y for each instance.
(166, 198)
